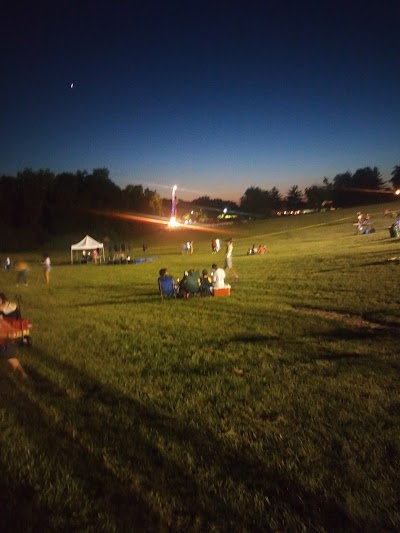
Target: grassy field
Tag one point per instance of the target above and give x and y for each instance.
(276, 409)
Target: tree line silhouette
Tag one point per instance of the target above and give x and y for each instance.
(36, 206)
(364, 186)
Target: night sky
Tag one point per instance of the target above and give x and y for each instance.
(212, 96)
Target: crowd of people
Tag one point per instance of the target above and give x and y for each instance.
(187, 247)
(21, 268)
(257, 250)
(192, 282)
(91, 256)
(364, 224)
(119, 258)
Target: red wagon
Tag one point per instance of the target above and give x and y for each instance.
(13, 330)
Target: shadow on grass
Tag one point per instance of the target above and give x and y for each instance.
(365, 365)
(363, 333)
(20, 510)
(387, 261)
(129, 458)
(377, 320)
(252, 339)
(388, 362)
(105, 493)
(381, 318)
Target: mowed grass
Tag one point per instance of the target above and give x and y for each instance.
(275, 409)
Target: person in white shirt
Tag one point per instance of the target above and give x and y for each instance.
(47, 268)
(218, 279)
(228, 255)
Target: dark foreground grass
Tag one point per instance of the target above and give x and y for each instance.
(275, 409)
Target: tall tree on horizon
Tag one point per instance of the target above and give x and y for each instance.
(368, 178)
(395, 179)
(316, 195)
(293, 198)
(261, 202)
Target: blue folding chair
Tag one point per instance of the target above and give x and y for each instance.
(166, 286)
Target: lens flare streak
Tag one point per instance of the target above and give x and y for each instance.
(134, 217)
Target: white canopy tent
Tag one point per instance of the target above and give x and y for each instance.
(87, 243)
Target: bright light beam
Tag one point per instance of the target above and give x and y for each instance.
(155, 220)
(172, 221)
(376, 191)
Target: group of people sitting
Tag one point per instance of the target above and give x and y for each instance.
(364, 224)
(192, 283)
(254, 250)
(119, 258)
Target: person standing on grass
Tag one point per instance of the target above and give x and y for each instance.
(46, 268)
(21, 268)
(228, 258)
(94, 256)
(228, 254)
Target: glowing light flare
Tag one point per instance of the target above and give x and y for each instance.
(173, 223)
(397, 192)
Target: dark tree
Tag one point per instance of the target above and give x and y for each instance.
(275, 199)
(363, 187)
(216, 203)
(99, 192)
(395, 179)
(33, 201)
(368, 178)
(261, 202)
(294, 198)
(316, 196)
(341, 194)
(132, 197)
(8, 201)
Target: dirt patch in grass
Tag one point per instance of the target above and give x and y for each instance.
(350, 320)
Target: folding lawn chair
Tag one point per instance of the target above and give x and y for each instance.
(166, 287)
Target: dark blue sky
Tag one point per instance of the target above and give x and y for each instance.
(213, 96)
